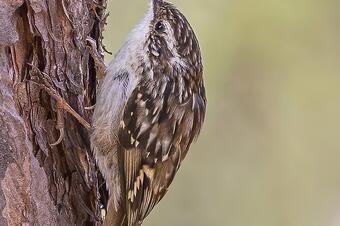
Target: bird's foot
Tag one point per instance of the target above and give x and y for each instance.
(97, 57)
(61, 105)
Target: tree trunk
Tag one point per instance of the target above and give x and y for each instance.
(43, 184)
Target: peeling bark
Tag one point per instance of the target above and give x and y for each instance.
(41, 184)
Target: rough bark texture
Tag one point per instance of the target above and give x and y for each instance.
(41, 184)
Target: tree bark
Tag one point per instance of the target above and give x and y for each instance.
(43, 184)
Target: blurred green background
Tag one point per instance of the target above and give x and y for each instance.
(269, 152)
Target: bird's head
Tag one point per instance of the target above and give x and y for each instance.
(165, 38)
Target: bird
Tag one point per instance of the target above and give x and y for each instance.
(150, 107)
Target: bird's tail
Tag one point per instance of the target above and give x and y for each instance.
(115, 217)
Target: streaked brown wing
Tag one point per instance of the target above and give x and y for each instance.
(157, 128)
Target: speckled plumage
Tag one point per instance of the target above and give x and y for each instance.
(150, 107)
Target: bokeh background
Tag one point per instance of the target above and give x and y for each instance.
(269, 153)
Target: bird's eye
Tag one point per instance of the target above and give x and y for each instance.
(159, 27)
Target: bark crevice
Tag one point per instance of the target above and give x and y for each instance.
(43, 184)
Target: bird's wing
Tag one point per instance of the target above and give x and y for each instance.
(155, 134)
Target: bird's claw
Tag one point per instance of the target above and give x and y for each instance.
(61, 137)
(61, 106)
(60, 126)
(97, 57)
(90, 107)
